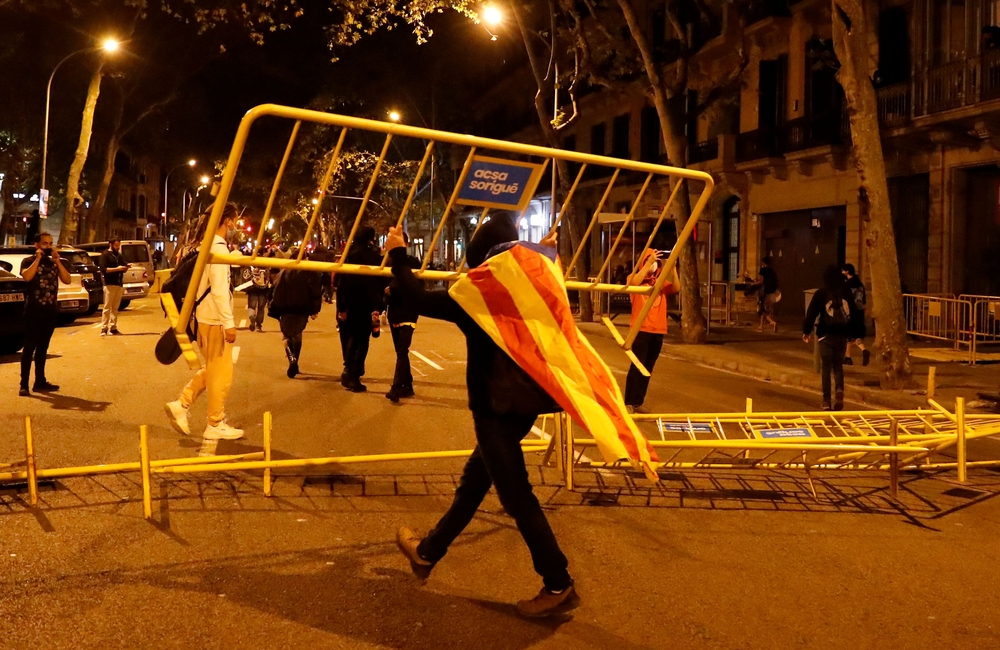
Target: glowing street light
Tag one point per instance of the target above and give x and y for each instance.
(192, 162)
(205, 180)
(394, 116)
(110, 45)
(492, 16)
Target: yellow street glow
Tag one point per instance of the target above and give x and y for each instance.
(492, 15)
(395, 116)
(205, 180)
(110, 45)
(192, 162)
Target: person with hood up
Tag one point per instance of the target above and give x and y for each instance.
(832, 313)
(505, 402)
(402, 313)
(649, 342)
(298, 297)
(359, 305)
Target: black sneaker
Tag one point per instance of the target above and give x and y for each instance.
(548, 603)
(355, 386)
(838, 401)
(24, 392)
(826, 405)
(45, 387)
(866, 356)
(252, 327)
(345, 379)
(405, 391)
(393, 395)
(293, 369)
(408, 541)
(848, 361)
(115, 332)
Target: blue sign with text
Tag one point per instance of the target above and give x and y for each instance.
(785, 433)
(496, 183)
(684, 426)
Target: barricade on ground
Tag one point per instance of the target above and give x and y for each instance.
(504, 179)
(887, 441)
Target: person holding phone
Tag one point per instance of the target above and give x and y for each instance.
(113, 268)
(649, 342)
(44, 271)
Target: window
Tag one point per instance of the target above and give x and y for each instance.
(650, 145)
(598, 138)
(731, 240)
(620, 136)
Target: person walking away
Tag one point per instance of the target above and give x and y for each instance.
(43, 271)
(257, 294)
(857, 295)
(505, 401)
(216, 334)
(298, 297)
(402, 314)
(769, 296)
(649, 342)
(832, 307)
(359, 303)
(113, 269)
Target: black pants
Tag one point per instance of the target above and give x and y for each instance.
(832, 350)
(292, 326)
(356, 334)
(498, 461)
(646, 348)
(38, 328)
(402, 337)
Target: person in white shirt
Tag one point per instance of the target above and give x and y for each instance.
(216, 335)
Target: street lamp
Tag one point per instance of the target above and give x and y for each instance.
(394, 116)
(109, 46)
(205, 180)
(166, 187)
(492, 16)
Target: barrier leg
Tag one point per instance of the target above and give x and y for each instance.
(570, 455)
(29, 455)
(147, 504)
(893, 460)
(267, 453)
(749, 405)
(931, 381)
(962, 459)
(557, 437)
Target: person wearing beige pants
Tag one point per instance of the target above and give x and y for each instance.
(216, 376)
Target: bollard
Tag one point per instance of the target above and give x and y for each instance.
(147, 503)
(960, 416)
(893, 459)
(931, 381)
(749, 405)
(267, 453)
(29, 458)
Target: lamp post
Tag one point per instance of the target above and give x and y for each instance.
(166, 189)
(109, 46)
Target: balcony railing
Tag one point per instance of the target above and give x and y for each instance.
(704, 151)
(814, 131)
(952, 85)
(755, 145)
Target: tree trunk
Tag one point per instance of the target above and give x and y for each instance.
(68, 234)
(97, 221)
(692, 320)
(852, 46)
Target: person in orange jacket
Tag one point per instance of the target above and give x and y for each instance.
(649, 342)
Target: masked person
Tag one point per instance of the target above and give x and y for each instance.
(257, 295)
(359, 305)
(44, 271)
(402, 313)
(505, 401)
(216, 335)
(649, 342)
(298, 297)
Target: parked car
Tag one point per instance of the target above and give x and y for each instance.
(138, 278)
(90, 274)
(12, 294)
(74, 299)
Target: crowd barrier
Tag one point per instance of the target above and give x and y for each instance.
(885, 441)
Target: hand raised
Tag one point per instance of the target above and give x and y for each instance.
(395, 239)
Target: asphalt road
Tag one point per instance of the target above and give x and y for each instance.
(708, 560)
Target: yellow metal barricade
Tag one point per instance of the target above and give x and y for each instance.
(643, 183)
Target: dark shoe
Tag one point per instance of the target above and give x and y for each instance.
(866, 356)
(24, 392)
(826, 405)
(848, 361)
(104, 333)
(252, 327)
(838, 401)
(547, 603)
(114, 331)
(408, 541)
(405, 391)
(355, 386)
(293, 369)
(45, 387)
(393, 395)
(345, 379)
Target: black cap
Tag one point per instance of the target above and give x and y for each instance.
(498, 230)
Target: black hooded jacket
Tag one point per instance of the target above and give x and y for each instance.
(401, 305)
(360, 295)
(296, 292)
(496, 383)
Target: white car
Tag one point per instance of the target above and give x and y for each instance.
(137, 280)
(74, 299)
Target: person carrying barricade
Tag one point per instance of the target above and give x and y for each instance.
(401, 313)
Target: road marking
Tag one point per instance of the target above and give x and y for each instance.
(236, 354)
(426, 360)
(243, 323)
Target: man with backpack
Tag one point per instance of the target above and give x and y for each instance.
(216, 333)
(257, 295)
(856, 290)
(835, 312)
(298, 297)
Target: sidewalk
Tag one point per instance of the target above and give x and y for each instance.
(783, 358)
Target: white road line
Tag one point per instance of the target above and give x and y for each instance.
(236, 354)
(243, 323)
(426, 360)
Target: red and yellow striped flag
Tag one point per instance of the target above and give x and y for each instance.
(518, 298)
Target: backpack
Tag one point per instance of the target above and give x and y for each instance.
(836, 315)
(858, 293)
(177, 285)
(259, 277)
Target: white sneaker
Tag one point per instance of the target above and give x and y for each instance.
(178, 416)
(222, 431)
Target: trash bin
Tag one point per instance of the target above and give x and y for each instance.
(817, 362)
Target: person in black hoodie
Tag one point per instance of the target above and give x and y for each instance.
(359, 304)
(505, 401)
(832, 313)
(401, 312)
(298, 297)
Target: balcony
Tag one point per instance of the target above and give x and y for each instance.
(704, 151)
(945, 87)
(815, 131)
(757, 145)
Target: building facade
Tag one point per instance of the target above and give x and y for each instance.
(135, 199)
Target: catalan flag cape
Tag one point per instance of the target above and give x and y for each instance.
(518, 297)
